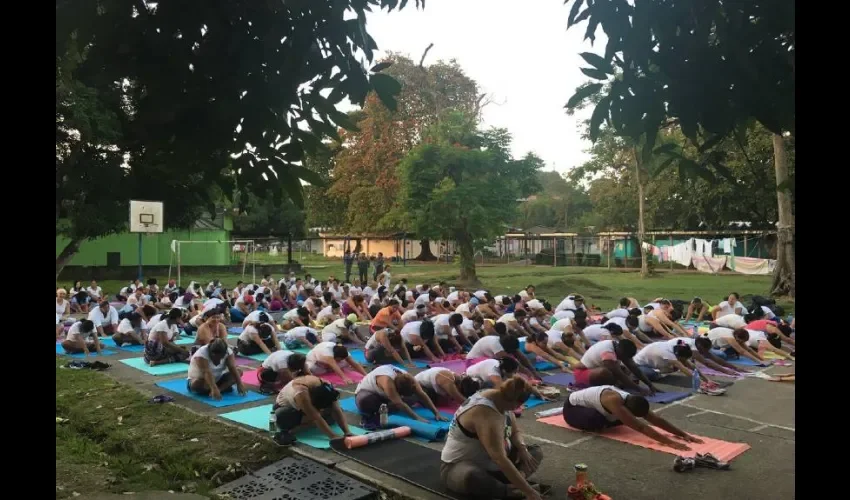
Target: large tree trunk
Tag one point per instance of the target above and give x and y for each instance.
(784, 276)
(66, 255)
(644, 268)
(289, 248)
(425, 251)
(468, 276)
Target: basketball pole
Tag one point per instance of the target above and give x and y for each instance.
(140, 256)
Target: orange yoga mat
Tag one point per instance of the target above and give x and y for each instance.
(723, 450)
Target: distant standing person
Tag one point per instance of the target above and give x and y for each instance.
(379, 265)
(363, 268)
(348, 260)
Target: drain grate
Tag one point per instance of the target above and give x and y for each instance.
(296, 479)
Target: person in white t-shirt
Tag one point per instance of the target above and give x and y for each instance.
(212, 370)
(130, 330)
(280, 368)
(82, 338)
(564, 342)
(300, 336)
(732, 305)
(662, 358)
(732, 321)
(327, 357)
(160, 347)
(622, 310)
(733, 342)
(445, 387)
(420, 340)
(63, 309)
(758, 342)
(305, 402)
(538, 344)
(387, 346)
(299, 316)
(94, 291)
(105, 318)
(449, 333)
(597, 408)
(490, 373)
(603, 364)
(257, 339)
(415, 314)
(328, 314)
(501, 346)
(390, 385)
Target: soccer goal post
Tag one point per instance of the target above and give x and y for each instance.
(247, 248)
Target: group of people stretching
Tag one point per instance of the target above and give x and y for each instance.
(615, 358)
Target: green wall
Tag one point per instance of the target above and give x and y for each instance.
(156, 249)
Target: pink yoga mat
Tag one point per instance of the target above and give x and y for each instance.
(723, 450)
(458, 366)
(334, 379)
(250, 378)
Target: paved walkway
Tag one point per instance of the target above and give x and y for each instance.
(753, 411)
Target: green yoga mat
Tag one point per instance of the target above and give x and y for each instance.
(257, 357)
(166, 369)
(258, 418)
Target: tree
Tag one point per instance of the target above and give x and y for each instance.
(365, 171)
(321, 208)
(175, 97)
(559, 205)
(463, 184)
(263, 218)
(710, 67)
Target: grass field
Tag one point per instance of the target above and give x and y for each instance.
(114, 440)
(601, 286)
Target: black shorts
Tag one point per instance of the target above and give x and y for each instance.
(288, 418)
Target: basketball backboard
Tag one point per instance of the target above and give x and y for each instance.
(146, 216)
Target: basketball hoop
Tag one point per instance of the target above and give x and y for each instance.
(145, 218)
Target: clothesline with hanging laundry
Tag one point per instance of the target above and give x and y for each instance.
(700, 254)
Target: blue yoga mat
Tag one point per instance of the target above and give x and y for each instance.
(431, 431)
(257, 357)
(108, 342)
(535, 401)
(360, 357)
(667, 397)
(745, 362)
(228, 398)
(542, 365)
(258, 417)
(235, 330)
(166, 369)
(62, 352)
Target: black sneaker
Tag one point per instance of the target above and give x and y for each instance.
(99, 365)
(710, 461)
(284, 438)
(370, 422)
(682, 464)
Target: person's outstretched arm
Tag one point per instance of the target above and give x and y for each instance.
(661, 423)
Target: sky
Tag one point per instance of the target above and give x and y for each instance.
(518, 51)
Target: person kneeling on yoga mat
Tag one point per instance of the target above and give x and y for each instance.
(300, 336)
(390, 386)
(160, 347)
(294, 318)
(82, 338)
(105, 318)
(504, 345)
(389, 316)
(387, 346)
(212, 326)
(485, 455)
(212, 370)
(603, 364)
(326, 357)
(304, 402)
(598, 408)
(490, 374)
(733, 343)
(419, 340)
(130, 330)
(257, 339)
(342, 330)
(538, 344)
(564, 342)
(280, 368)
(446, 387)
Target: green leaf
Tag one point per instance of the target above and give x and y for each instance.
(595, 73)
(381, 66)
(664, 165)
(583, 93)
(343, 120)
(598, 116)
(666, 148)
(597, 62)
(323, 128)
(387, 88)
(308, 175)
(647, 148)
(292, 185)
(573, 12)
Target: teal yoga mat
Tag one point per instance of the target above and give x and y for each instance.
(108, 342)
(235, 330)
(256, 357)
(166, 369)
(61, 352)
(258, 418)
(228, 398)
(430, 431)
(360, 357)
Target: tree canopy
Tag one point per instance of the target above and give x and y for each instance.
(162, 99)
(463, 184)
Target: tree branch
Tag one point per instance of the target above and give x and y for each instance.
(422, 59)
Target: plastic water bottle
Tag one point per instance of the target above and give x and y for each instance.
(383, 413)
(696, 379)
(695, 331)
(272, 423)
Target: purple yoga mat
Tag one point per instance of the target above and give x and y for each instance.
(564, 379)
(458, 366)
(667, 397)
(240, 361)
